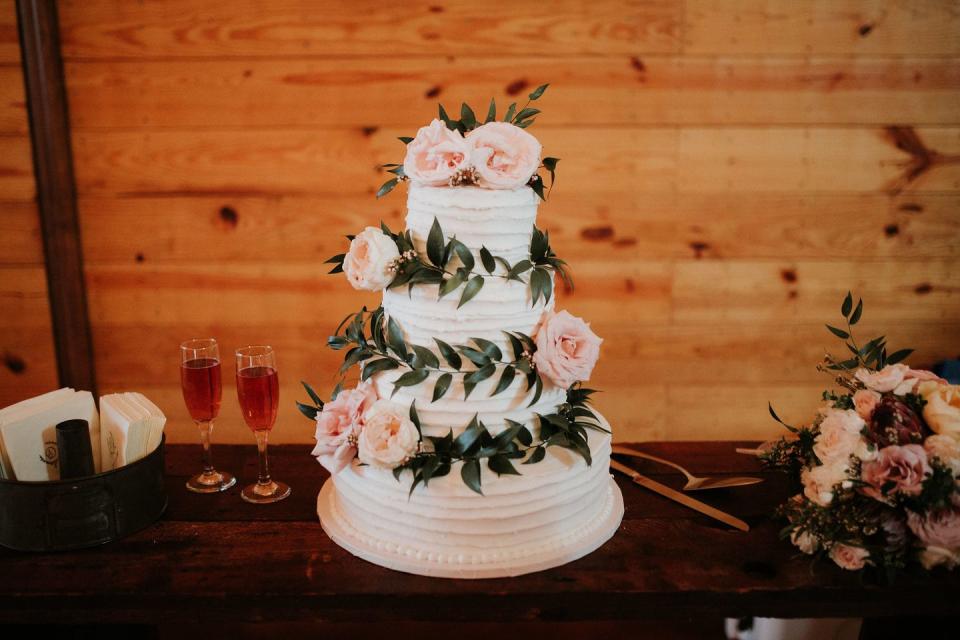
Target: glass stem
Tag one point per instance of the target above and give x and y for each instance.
(206, 429)
(263, 476)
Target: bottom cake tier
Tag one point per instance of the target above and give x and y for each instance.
(559, 510)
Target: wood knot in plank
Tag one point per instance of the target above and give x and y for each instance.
(369, 131)
(891, 230)
(698, 248)
(788, 275)
(923, 288)
(922, 158)
(604, 232)
(433, 91)
(14, 363)
(515, 87)
(229, 215)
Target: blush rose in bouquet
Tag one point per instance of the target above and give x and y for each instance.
(879, 465)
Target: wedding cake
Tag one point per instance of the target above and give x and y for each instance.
(466, 446)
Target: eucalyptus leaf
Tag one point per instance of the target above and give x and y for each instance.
(502, 466)
(840, 333)
(477, 376)
(526, 114)
(491, 112)
(855, 317)
(506, 379)
(414, 416)
(395, 338)
(515, 344)
(449, 354)
(441, 387)
(451, 284)
(489, 348)
(512, 109)
(313, 394)
(537, 391)
(479, 358)
(470, 437)
(519, 268)
(387, 187)
(470, 473)
(435, 244)
(847, 305)
(409, 379)
(425, 357)
(467, 117)
(374, 366)
(405, 139)
(464, 254)
(308, 411)
(487, 259)
(538, 454)
(471, 290)
(538, 91)
(898, 356)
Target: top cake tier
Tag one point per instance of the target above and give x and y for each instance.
(500, 220)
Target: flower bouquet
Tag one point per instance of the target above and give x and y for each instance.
(879, 464)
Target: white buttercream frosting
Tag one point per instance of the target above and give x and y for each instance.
(558, 510)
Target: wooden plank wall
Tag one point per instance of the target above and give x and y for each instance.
(730, 168)
(27, 362)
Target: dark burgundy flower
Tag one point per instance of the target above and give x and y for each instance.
(894, 423)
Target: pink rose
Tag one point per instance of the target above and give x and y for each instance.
(940, 528)
(368, 264)
(898, 469)
(865, 401)
(839, 436)
(339, 424)
(887, 379)
(504, 155)
(435, 155)
(388, 437)
(819, 482)
(849, 557)
(567, 349)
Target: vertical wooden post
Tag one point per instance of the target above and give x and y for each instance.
(56, 190)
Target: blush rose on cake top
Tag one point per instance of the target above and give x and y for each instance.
(392, 372)
(879, 466)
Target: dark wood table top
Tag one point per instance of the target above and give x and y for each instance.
(216, 558)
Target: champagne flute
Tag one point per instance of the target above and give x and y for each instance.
(258, 390)
(201, 384)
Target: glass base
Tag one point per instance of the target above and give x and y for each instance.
(265, 493)
(213, 482)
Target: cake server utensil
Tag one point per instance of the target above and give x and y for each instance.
(694, 483)
(677, 496)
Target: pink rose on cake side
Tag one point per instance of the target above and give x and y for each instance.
(368, 264)
(849, 557)
(898, 469)
(435, 155)
(388, 437)
(504, 155)
(338, 426)
(567, 349)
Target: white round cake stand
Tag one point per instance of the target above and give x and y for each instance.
(387, 554)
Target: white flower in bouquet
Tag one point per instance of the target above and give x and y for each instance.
(805, 541)
(388, 438)
(942, 411)
(945, 447)
(819, 482)
(367, 264)
(884, 380)
(849, 557)
(840, 437)
(865, 401)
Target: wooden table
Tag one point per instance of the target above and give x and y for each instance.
(215, 558)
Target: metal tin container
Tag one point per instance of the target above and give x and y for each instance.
(83, 512)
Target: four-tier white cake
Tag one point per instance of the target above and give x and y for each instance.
(468, 448)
